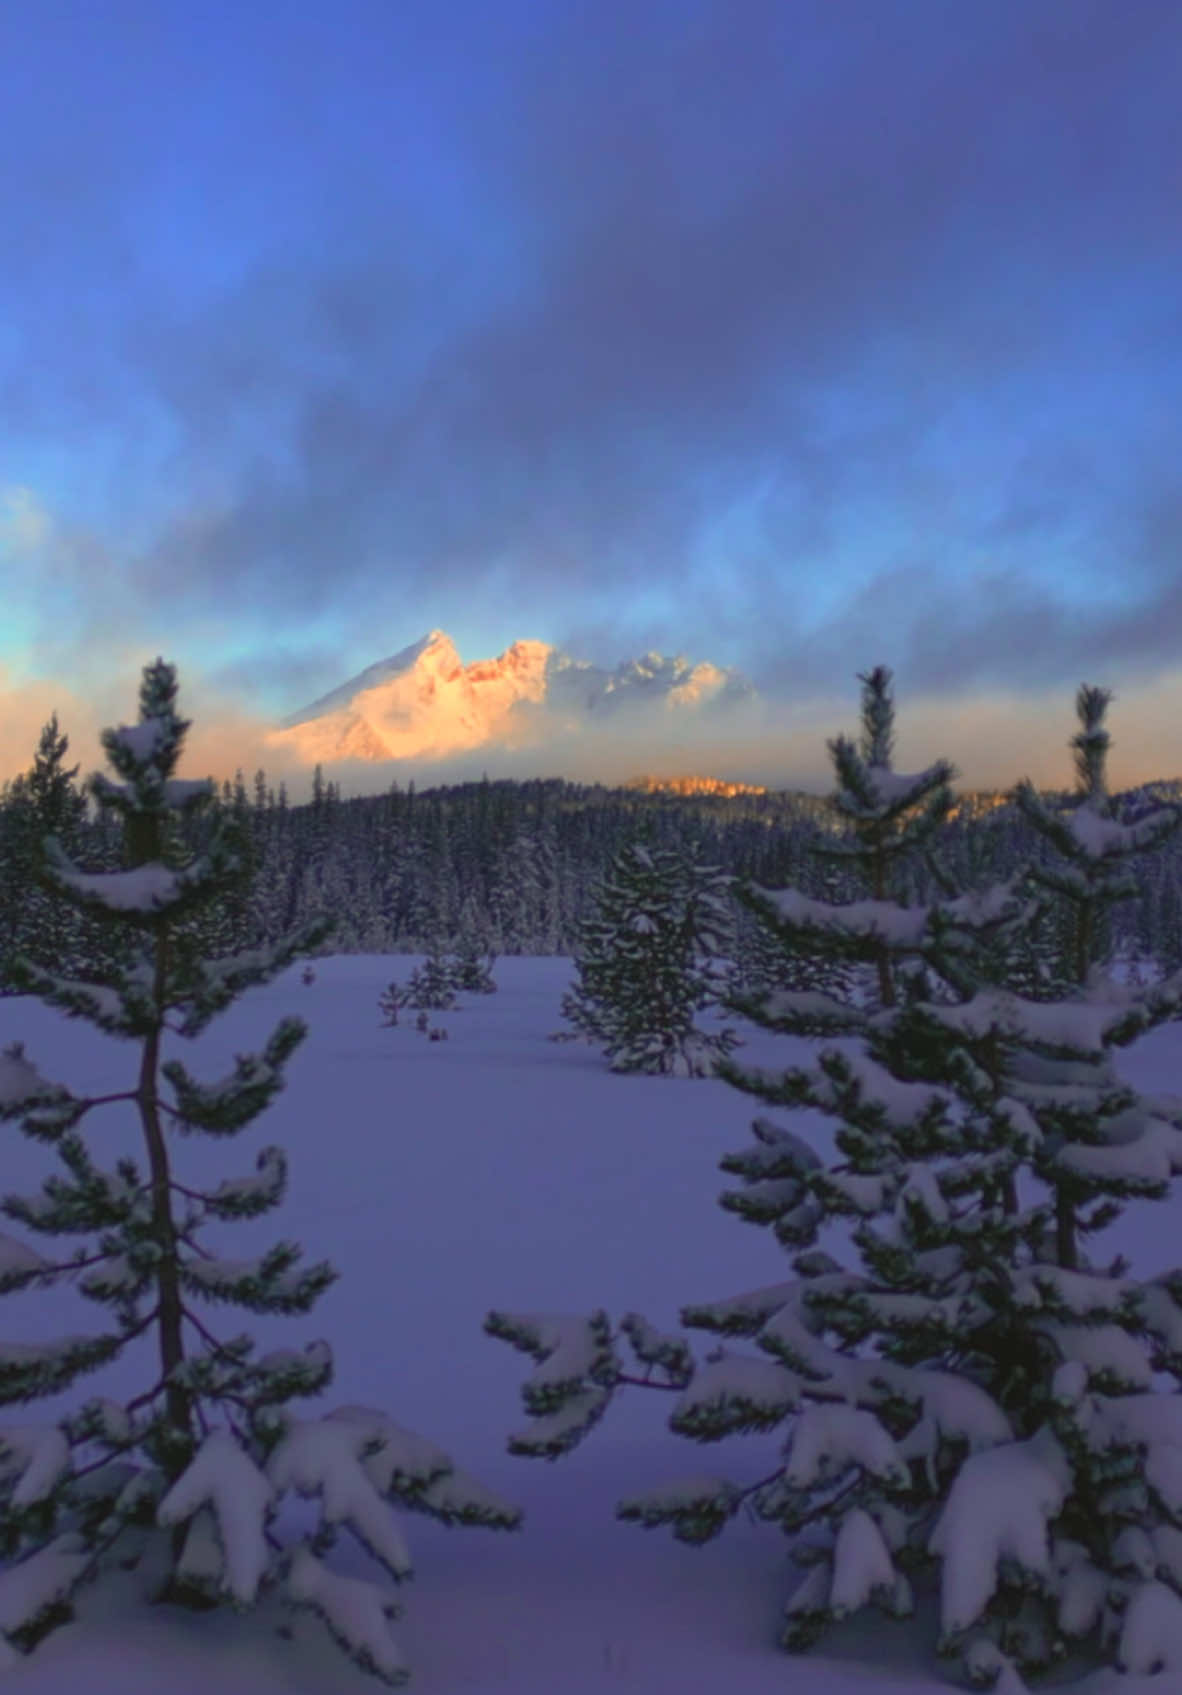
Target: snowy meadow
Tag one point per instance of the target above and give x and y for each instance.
(496, 1169)
(979, 1106)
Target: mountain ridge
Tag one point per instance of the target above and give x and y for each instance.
(425, 702)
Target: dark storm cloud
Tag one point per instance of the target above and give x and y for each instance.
(1003, 632)
(694, 250)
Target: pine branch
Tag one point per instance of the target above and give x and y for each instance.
(647, 1382)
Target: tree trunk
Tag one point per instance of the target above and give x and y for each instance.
(169, 1320)
(886, 981)
(1066, 1244)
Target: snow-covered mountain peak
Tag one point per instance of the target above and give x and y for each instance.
(433, 653)
(425, 702)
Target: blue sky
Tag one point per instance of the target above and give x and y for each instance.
(797, 335)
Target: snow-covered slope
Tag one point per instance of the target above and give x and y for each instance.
(425, 702)
(496, 1169)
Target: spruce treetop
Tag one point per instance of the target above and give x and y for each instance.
(644, 963)
(890, 813)
(1094, 846)
(145, 755)
(878, 717)
(50, 784)
(1092, 742)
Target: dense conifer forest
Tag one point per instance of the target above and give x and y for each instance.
(510, 865)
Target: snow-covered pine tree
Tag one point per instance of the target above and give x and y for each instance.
(429, 987)
(472, 958)
(1095, 850)
(44, 801)
(951, 1389)
(892, 819)
(1167, 941)
(514, 894)
(646, 962)
(236, 915)
(186, 1475)
(470, 971)
(889, 820)
(766, 960)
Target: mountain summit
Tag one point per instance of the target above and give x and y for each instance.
(424, 702)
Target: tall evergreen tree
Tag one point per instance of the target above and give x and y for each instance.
(957, 1387)
(891, 818)
(429, 988)
(472, 959)
(58, 804)
(190, 1470)
(45, 801)
(766, 959)
(646, 963)
(1094, 874)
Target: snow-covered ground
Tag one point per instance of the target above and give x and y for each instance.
(496, 1169)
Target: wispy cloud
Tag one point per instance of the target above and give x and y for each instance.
(993, 736)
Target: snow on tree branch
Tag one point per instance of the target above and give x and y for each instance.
(223, 1477)
(356, 1612)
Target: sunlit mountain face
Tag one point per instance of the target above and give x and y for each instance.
(425, 702)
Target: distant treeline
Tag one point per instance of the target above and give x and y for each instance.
(515, 862)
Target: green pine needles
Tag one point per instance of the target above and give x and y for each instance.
(183, 1478)
(434, 985)
(645, 963)
(966, 1393)
(45, 801)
